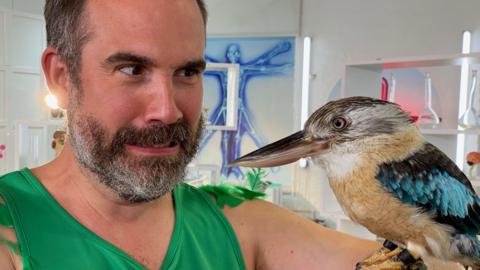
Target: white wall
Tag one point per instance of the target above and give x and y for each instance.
(253, 17)
(346, 31)
(30, 6)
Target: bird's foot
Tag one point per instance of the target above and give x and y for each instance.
(385, 253)
(412, 260)
(386, 265)
(388, 259)
(395, 264)
(389, 244)
(407, 258)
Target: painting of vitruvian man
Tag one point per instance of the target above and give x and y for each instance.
(265, 97)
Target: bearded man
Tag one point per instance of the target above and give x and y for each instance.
(129, 74)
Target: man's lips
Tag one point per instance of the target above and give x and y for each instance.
(164, 149)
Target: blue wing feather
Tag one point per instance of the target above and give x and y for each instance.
(429, 180)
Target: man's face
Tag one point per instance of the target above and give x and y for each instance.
(135, 119)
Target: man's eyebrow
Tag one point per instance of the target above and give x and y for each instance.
(195, 64)
(128, 57)
(133, 58)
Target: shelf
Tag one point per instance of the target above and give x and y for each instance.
(364, 78)
(415, 62)
(449, 131)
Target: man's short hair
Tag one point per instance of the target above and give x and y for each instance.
(67, 31)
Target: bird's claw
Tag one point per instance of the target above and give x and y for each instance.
(393, 265)
(386, 259)
(382, 255)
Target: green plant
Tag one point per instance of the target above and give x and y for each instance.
(254, 178)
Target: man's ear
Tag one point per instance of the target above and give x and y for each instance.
(56, 75)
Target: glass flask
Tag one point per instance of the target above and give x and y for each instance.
(391, 91)
(384, 94)
(428, 118)
(469, 118)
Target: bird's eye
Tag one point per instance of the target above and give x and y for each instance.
(339, 123)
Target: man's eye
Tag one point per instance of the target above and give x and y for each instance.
(188, 72)
(132, 70)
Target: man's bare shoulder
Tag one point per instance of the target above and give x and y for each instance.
(273, 237)
(10, 257)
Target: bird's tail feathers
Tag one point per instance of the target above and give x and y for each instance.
(466, 249)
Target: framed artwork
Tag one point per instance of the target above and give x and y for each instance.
(264, 99)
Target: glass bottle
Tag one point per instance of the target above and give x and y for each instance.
(428, 118)
(469, 118)
(391, 92)
(384, 94)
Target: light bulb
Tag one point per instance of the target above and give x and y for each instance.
(51, 101)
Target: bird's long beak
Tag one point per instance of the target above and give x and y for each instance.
(283, 151)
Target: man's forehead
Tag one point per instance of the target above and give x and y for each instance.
(146, 8)
(143, 29)
(182, 15)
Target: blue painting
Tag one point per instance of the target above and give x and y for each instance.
(265, 97)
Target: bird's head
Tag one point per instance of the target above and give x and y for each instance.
(343, 128)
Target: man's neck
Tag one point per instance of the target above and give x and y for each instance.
(78, 190)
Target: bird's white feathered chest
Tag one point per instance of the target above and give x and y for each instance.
(339, 165)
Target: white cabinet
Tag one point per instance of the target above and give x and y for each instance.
(25, 125)
(365, 79)
(33, 142)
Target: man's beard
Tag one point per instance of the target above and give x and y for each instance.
(134, 178)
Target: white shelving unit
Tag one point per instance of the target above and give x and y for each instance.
(365, 78)
(421, 61)
(449, 131)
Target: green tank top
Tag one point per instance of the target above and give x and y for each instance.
(50, 238)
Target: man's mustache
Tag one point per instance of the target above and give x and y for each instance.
(156, 134)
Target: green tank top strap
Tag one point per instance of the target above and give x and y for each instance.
(50, 238)
(6, 222)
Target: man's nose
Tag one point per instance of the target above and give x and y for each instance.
(161, 103)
